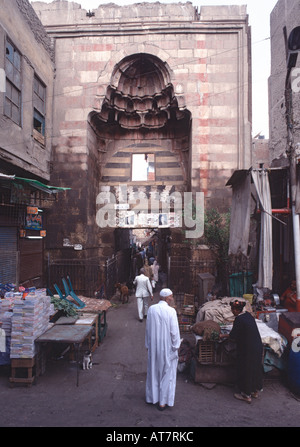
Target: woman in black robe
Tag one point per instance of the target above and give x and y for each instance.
(249, 352)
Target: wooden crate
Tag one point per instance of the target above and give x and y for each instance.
(211, 373)
(22, 371)
(188, 310)
(185, 322)
(206, 352)
(188, 307)
(188, 300)
(214, 353)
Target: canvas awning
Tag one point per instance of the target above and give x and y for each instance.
(33, 183)
(41, 186)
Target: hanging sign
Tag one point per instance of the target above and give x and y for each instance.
(32, 210)
(34, 222)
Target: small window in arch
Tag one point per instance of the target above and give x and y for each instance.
(143, 167)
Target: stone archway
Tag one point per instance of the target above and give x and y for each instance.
(140, 113)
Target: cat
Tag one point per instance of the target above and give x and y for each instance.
(87, 360)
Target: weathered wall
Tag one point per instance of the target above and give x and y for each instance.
(260, 153)
(17, 144)
(222, 123)
(286, 13)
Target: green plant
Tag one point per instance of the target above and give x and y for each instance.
(64, 305)
(216, 235)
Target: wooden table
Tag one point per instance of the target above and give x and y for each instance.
(91, 320)
(99, 307)
(73, 334)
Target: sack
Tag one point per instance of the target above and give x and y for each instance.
(209, 329)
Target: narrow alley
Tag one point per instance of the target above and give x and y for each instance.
(112, 393)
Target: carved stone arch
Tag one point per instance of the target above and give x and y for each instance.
(129, 65)
(104, 77)
(140, 94)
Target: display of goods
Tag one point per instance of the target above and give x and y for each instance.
(185, 322)
(30, 318)
(5, 324)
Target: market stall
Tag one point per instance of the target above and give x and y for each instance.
(70, 334)
(31, 318)
(214, 359)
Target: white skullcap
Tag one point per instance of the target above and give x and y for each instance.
(166, 292)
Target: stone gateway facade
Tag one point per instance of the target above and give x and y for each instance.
(164, 83)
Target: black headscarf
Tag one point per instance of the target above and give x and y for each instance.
(239, 305)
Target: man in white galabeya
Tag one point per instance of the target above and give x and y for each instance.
(142, 293)
(162, 341)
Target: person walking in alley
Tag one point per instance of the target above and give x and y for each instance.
(162, 341)
(155, 270)
(147, 269)
(142, 293)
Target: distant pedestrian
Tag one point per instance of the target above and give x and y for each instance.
(142, 293)
(162, 341)
(139, 262)
(155, 270)
(147, 269)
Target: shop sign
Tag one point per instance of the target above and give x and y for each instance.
(32, 210)
(34, 222)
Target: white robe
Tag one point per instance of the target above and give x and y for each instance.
(162, 341)
(143, 290)
(155, 270)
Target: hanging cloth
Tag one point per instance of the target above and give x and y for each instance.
(240, 216)
(265, 264)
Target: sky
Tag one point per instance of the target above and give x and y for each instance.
(259, 19)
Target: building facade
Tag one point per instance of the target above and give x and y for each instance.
(26, 93)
